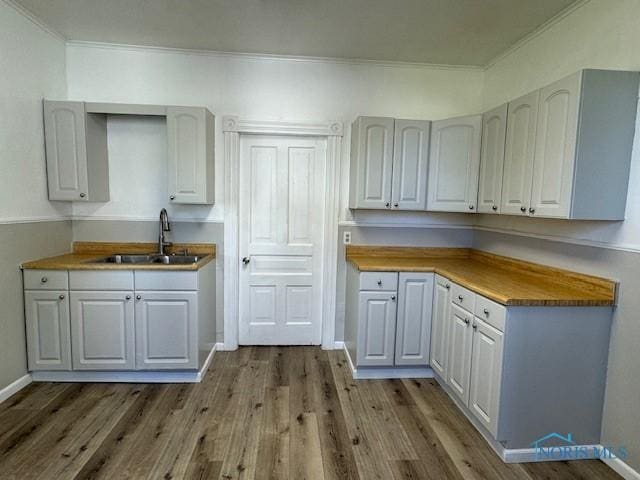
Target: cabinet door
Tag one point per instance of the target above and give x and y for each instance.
(555, 148)
(166, 330)
(66, 150)
(410, 162)
(518, 157)
(486, 374)
(461, 335)
(413, 330)
(190, 155)
(376, 328)
(102, 335)
(494, 128)
(48, 335)
(454, 164)
(371, 157)
(440, 326)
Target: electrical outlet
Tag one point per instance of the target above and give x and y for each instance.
(346, 239)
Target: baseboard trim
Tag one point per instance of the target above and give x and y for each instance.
(159, 376)
(15, 387)
(380, 373)
(528, 455)
(621, 468)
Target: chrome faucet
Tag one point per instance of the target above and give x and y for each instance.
(165, 226)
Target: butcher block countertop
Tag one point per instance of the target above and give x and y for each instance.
(84, 255)
(502, 279)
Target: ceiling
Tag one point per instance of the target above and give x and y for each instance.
(453, 32)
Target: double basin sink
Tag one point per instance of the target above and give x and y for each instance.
(151, 259)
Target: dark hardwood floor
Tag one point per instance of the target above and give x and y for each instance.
(279, 413)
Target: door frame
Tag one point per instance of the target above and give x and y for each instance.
(232, 128)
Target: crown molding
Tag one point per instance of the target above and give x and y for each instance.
(536, 33)
(37, 21)
(232, 123)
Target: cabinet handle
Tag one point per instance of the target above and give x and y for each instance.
(460, 297)
(486, 312)
(128, 297)
(82, 195)
(393, 298)
(494, 208)
(138, 297)
(471, 207)
(447, 286)
(61, 297)
(172, 197)
(379, 282)
(466, 320)
(44, 279)
(523, 209)
(532, 211)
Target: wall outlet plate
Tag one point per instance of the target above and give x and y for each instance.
(346, 237)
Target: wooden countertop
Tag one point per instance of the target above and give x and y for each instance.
(502, 279)
(84, 255)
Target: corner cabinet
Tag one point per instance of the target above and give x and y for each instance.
(389, 163)
(494, 128)
(388, 320)
(190, 140)
(454, 164)
(76, 152)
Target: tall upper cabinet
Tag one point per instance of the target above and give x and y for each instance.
(494, 128)
(389, 161)
(569, 155)
(454, 164)
(78, 160)
(76, 150)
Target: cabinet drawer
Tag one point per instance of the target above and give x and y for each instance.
(46, 280)
(491, 312)
(463, 297)
(158, 280)
(101, 280)
(387, 281)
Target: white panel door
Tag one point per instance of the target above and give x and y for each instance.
(494, 128)
(66, 149)
(460, 344)
(281, 230)
(454, 163)
(440, 326)
(166, 330)
(376, 329)
(518, 156)
(486, 374)
(555, 153)
(102, 330)
(410, 163)
(413, 325)
(48, 334)
(372, 150)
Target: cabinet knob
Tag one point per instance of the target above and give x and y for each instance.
(138, 297)
(61, 297)
(379, 282)
(82, 195)
(387, 204)
(447, 286)
(475, 327)
(44, 279)
(494, 208)
(471, 207)
(460, 297)
(128, 297)
(532, 211)
(246, 260)
(396, 205)
(393, 298)
(172, 197)
(523, 209)
(486, 312)
(466, 320)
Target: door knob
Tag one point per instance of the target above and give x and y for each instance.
(246, 260)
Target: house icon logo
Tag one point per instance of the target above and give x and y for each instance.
(540, 442)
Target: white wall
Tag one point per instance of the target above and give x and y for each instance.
(253, 88)
(601, 34)
(32, 63)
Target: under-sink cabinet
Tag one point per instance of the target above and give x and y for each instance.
(119, 320)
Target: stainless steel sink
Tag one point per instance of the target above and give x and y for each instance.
(176, 259)
(126, 259)
(150, 259)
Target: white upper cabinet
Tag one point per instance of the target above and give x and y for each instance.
(518, 158)
(410, 162)
(190, 136)
(76, 151)
(454, 164)
(494, 127)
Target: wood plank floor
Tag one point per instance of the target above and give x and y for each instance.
(264, 413)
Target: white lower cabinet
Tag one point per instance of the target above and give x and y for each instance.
(378, 326)
(102, 330)
(486, 374)
(460, 344)
(47, 327)
(166, 330)
(440, 326)
(413, 326)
